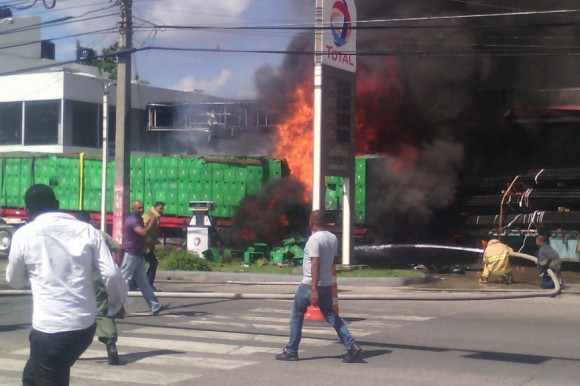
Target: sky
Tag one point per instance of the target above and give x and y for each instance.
(220, 74)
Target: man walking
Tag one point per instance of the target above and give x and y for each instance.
(106, 327)
(58, 255)
(153, 215)
(133, 267)
(316, 289)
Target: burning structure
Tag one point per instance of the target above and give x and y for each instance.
(441, 100)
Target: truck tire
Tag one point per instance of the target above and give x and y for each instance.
(6, 233)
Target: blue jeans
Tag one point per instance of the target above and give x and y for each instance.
(133, 268)
(301, 303)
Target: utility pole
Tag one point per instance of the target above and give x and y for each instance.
(123, 121)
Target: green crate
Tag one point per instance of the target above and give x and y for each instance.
(250, 257)
(172, 173)
(255, 174)
(218, 187)
(360, 177)
(183, 209)
(218, 198)
(360, 217)
(230, 174)
(241, 174)
(277, 256)
(217, 172)
(171, 208)
(172, 196)
(206, 173)
(182, 173)
(195, 174)
(212, 254)
(253, 188)
(138, 161)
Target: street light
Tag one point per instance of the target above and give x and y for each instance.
(105, 159)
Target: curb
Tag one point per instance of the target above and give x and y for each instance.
(270, 279)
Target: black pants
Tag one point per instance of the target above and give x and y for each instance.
(53, 355)
(153, 263)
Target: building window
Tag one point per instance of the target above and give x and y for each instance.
(85, 123)
(11, 123)
(41, 121)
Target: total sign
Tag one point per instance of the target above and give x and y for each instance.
(339, 42)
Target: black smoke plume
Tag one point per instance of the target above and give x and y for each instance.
(278, 212)
(448, 93)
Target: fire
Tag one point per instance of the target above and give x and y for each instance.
(378, 131)
(379, 96)
(295, 134)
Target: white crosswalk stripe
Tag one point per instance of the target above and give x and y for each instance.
(110, 374)
(185, 348)
(238, 337)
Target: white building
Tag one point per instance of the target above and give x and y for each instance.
(50, 107)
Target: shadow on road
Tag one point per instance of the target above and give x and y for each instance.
(473, 354)
(14, 327)
(365, 354)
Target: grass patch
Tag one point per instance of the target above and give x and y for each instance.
(236, 266)
(175, 259)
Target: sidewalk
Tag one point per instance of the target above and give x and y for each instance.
(526, 279)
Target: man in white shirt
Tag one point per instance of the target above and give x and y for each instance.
(316, 289)
(58, 254)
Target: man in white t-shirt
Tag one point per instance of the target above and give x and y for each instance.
(316, 289)
(58, 254)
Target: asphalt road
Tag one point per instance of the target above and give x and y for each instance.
(233, 342)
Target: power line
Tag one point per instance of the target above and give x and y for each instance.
(22, 44)
(366, 23)
(44, 2)
(57, 22)
(485, 5)
(403, 53)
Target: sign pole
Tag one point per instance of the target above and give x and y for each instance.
(335, 109)
(318, 184)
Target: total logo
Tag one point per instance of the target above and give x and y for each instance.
(340, 22)
(197, 241)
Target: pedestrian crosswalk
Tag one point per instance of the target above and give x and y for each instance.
(180, 348)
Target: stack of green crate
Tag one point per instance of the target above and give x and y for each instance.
(152, 174)
(360, 181)
(91, 187)
(137, 179)
(333, 195)
(173, 180)
(333, 198)
(14, 179)
(273, 169)
(67, 182)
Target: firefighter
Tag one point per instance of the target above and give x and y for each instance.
(547, 258)
(496, 262)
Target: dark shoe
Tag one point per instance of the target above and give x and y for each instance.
(508, 279)
(161, 308)
(112, 354)
(287, 356)
(352, 353)
(483, 280)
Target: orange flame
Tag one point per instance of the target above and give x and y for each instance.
(295, 134)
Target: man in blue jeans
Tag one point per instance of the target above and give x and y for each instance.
(133, 267)
(316, 289)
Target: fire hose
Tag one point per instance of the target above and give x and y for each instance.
(446, 297)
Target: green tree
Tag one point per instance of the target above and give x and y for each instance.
(106, 63)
